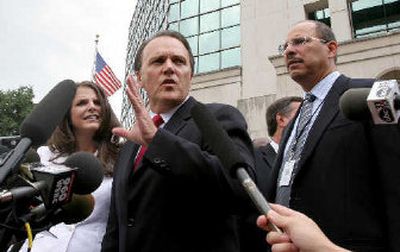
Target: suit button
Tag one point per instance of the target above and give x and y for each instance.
(131, 222)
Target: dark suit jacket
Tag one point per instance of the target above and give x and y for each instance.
(178, 199)
(252, 238)
(348, 179)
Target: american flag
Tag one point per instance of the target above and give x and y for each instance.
(104, 76)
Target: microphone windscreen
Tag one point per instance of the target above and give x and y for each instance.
(44, 118)
(353, 104)
(89, 174)
(80, 207)
(219, 141)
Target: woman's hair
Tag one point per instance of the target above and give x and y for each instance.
(63, 141)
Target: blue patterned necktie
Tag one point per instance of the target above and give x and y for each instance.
(295, 148)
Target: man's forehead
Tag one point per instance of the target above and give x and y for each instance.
(302, 29)
(165, 45)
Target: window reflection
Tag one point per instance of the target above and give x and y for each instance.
(173, 13)
(209, 22)
(212, 28)
(190, 8)
(231, 37)
(209, 42)
(189, 27)
(230, 16)
(230, 58)
(209, 62)
(371, 17)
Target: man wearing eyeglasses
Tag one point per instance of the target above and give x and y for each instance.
(338, 172)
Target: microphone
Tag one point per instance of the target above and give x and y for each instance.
(381, 103)
(225, 150)
(79, 208)
(39, 124)
(81, 174)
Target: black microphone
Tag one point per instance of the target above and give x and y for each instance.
(89, 174)
(40, 123)
(81, 173)
(79, 208)
(225, 150)
(381, 103)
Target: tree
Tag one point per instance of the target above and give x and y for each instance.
(15, 105)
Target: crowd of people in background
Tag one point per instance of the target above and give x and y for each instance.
(332, 182)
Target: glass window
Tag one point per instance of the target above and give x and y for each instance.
(173, 26)
(209, 22)
(225, 3)
(322, 15)
(173, 13)
(208, 5)
(189, 8)
(189, 26)
(230, 16)
(209, 42)
(193, 44)
(196, 64)
(173, 1)
(230, 37)
(209, 62)
(230, 58)
(370, 17)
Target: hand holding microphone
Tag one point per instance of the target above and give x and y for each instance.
(300, 232)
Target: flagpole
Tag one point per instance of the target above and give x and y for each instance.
(95, 55)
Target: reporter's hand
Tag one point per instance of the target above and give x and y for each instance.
(300, 232)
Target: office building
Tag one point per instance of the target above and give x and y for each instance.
(235, 45)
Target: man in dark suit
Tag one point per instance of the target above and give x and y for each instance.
(278, 115)
(341, 173)
(177, 198)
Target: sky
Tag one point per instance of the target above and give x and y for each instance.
(44, 42)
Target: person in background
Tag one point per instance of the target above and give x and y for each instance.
(86, 127)
(174, 196)
(340, 173)
(278, 116)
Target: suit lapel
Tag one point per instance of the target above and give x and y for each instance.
(174, 125)
(329, 111)
(180, 117)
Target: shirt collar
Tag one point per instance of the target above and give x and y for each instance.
(167, 115)
(323, 86)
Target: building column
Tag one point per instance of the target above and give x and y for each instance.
(340, 19)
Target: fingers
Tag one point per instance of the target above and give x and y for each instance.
(284, 247)
(121, 132)
(262, 222)
(134, 96)
(282, 210)
(275, 237)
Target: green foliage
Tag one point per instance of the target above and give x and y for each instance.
(15, 105)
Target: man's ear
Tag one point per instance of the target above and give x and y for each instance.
(139, 78)
(332, 46)
(280, 120)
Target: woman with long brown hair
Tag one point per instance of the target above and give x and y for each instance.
(86, 127)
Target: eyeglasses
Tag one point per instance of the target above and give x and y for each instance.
(297, 42)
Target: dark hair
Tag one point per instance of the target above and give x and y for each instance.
(280, 106)
(165, 33)
(63, 140)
